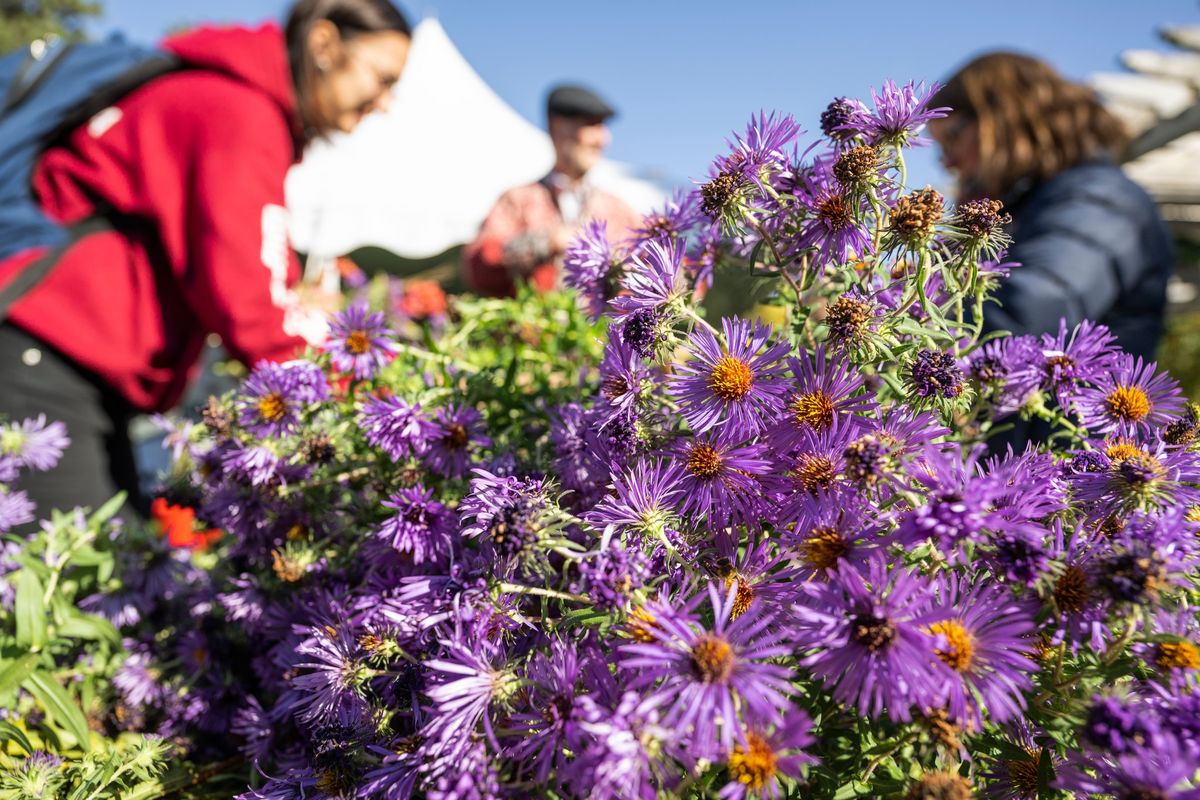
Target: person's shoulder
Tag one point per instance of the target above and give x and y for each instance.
(211, 101)
(1102, 182)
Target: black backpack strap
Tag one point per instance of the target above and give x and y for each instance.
(36, 271)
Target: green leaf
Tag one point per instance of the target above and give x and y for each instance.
(59, 705)
(15, 671)
(30, 611)
(107, 511)
(11, 733)
(89, 627)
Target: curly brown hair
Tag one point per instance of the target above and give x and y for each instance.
(1033, 122)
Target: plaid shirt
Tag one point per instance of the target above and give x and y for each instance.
(514, 240)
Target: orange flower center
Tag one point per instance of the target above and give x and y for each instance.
(641, 624)
(752, 764)
(358, 342)
(1121, 449)
(960, 645)
(272, 407)
(704, 461)
(713, 659)
(744, 596)
(823, 548)
(1071, 592)
(1177, 655)
(1130, 403)
(814, 409)
(731, 379)
(815, 472)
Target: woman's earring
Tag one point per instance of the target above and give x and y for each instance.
(323, 65)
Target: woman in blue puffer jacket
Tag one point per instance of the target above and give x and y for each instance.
(1090, 242)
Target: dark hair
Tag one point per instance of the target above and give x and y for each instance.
(1033, 122)
(351, 18)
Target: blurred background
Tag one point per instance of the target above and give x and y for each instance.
(409, 187)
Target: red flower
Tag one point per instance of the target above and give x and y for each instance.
(178, 524)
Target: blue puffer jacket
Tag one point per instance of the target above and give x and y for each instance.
(1091, 245)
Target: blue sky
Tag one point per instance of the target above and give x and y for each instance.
(684, 73)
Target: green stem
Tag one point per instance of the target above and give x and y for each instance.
(517, 588)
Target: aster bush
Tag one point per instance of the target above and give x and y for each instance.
(595, 545)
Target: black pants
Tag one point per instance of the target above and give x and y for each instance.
(35, 379)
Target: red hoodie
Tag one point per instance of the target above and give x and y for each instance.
(201, 154)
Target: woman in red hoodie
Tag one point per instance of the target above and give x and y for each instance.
(192, 163)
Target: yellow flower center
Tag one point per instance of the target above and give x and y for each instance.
(1177, 655)
(704, 461)
(272, 407)
(713, 659)
(823, 548)
(1121, 449)
(1023, 774)
(744, 596)
(1130, 403)
(815, 472)
(752, 764)
(1071, 592)
(358, 342)
(814, 409)
(641, 624)
(731, 379)
(960, 645)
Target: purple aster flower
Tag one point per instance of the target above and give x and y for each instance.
(454, 434)
(764, 583)
(1131, 397)
(740, 385)
(645, 501)
(397, 775)
(421, 526)
(816, 465)
(722, 480)
(257, 465)
(1009, 370)
(831, 225)
(505, 513)
(837, 117)
(707, 251)
(246, 604)
(826, 529)
(677, 216)
(589, 266)
(39, 774)
(624, 378)
(359, 341)
(1078, 608)
(32, 444)
(610, 576)
(645, 331)
(1174, 651)
(708, 675)
(329, 684)
(396, 427)
(959, 501)
(1018, 555)
(761, 146)
(1162, 771)
(984, 640)
(550, 726)
(1071, 359)
(756, 762)
(1147, 556)
(15, 508)
(274, 396)
(865, 635)
(653, 278)
(575, 464)
(900, 112)
(825, 390)
(934, 375)
(1129, 475)
(617, 756)
(464, 681)
(136, 681)
(1116, 726)
(472, 776)
(252, 725)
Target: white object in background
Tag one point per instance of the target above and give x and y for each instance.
(421, 177)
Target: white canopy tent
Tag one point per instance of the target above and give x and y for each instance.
(419, 179)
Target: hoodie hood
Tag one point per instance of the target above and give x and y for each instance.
(257, 56)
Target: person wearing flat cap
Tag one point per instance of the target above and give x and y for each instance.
(526, 233)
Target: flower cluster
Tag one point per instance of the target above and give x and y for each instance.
(705, 559)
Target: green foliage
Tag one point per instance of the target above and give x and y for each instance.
(56, 666)
(22, 21)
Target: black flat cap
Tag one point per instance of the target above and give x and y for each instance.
(577, 101)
